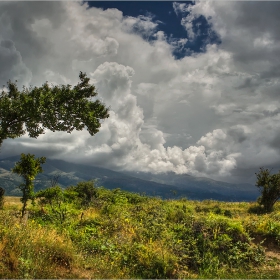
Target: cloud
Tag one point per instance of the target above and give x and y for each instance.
(142, 25)
(214, 113)
(12, 65)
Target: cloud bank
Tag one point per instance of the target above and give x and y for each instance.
(215, 113)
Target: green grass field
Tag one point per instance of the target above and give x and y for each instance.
(125, 235)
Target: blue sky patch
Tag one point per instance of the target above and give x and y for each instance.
(162, 13)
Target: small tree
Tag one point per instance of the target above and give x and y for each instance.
(269, 185)
(28, 167)
(2, 192)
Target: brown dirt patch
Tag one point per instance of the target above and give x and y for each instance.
(272, 249)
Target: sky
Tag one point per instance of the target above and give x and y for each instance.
(193, 87)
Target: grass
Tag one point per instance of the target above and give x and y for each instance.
(125, 235)
(12, 202)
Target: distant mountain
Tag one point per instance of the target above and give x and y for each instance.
(71, 174)
(168, 185)
(201, 187)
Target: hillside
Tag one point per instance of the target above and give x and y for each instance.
(202, 187)
(129, 236)
(168, 185)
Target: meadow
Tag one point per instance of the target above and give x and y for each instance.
(119, 234)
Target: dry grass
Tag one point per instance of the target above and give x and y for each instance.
(31, 251)
(90, 213)
(12, 203)
(12, 200)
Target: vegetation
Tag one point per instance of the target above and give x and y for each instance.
(269, 185)
(2, 192)
(28, 167)
(58, 108)
(89, 232)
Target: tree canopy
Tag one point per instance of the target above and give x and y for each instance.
(58, 108)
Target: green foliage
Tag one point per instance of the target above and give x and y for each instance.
(85, 191)
(265, 227)
(2, 193)
(269, 185)
(228, 213)
(58, 108)
(209, 243)
(28, 167)
(58, 203)
(150, 263)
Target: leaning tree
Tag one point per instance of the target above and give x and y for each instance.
(57, 108)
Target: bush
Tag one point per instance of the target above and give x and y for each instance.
(59, 202)
(228, 213)
(85, 191)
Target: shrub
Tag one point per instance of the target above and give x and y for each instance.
(58, 201)
(228, 213)
(85, 191)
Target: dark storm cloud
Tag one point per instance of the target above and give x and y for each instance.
(11, 64)
(275, 141)
(238, 134)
